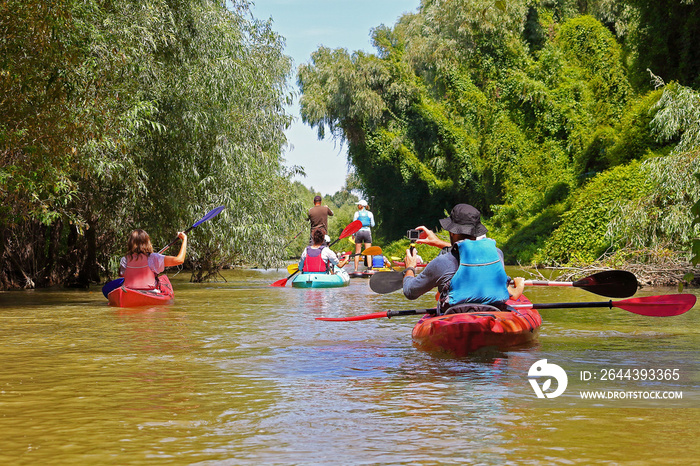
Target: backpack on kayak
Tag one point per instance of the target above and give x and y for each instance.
(377, 262)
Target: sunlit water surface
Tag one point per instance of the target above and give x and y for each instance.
(239, 372)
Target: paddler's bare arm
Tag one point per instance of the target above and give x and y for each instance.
(516, 290)
(169, 261)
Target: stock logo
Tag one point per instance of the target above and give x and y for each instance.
(542, 369)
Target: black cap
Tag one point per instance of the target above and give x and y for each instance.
(464, 220)
(317, 199)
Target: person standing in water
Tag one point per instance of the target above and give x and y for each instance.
(364, 235)
(318, 218)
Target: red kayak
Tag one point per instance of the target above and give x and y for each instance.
(128, 297)
(460, 334)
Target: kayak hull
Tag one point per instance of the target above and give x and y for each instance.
(127, 297)
(322, 280)
(461, 334)
(367, 273)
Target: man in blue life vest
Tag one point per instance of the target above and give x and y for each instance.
(364, 235)
(467, 271)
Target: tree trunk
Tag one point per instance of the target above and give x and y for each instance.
(89, 272)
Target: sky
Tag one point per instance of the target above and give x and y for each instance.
(306, 25)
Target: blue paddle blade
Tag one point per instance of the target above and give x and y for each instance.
(111, 286)
(213, 213)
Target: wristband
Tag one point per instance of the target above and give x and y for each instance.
(411, 269)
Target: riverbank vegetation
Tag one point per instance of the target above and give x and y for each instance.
(139, 114)
(573, 126)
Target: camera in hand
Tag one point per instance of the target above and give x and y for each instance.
(413, 235)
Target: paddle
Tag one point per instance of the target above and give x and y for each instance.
(386, 282)
(351, 229)
(283, 282)
(651, 306)
(114, 284)
(295, 237)
(609, 283)
(370, 251)
(212, 213)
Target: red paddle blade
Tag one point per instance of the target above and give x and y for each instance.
(376, 315)
(658, 306)
(351, 229)
(282, 282)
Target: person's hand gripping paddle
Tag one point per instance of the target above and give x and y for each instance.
(114, 284)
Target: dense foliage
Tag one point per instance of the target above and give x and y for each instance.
(119, 115)
(552, 117)
(542, 114)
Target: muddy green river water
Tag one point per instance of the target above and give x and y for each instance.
(239, 372)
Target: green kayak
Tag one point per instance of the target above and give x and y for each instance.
(337, 278)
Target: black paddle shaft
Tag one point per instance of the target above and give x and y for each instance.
(211, 214)
(608, 304)
(410, 312)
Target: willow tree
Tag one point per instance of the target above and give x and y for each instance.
(141, 114)
(664, 219)
(221, 103)
(54, 104)
(663, 38)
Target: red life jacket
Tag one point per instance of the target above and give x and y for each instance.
(314, 263)
(138, 275)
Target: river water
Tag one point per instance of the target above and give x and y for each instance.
(239, 372)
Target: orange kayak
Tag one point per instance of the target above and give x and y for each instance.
(461, 334)
(128, 297)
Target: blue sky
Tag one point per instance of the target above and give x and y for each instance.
(306, 25)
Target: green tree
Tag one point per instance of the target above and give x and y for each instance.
(663, 39)
(139, 114)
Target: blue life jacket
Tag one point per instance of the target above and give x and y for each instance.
(377, 262)
(363, 216)
(480, 277)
